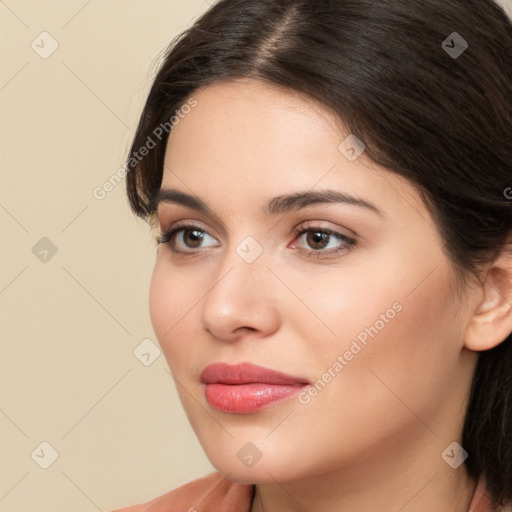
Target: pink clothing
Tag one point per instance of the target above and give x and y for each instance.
(214, 493)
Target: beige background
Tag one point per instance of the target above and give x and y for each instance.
(70, 321)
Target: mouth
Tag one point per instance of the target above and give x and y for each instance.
(246, 388)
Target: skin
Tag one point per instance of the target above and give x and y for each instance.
(372, 438)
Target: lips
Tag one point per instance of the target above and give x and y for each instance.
(245, 388)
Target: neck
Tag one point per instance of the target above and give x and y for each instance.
(407, 482)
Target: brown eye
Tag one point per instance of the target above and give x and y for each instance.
(188, 237)
(192, 238)
(317, 239)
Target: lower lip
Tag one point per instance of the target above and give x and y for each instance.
(247, 398)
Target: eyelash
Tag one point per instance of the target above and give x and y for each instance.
(167, 236)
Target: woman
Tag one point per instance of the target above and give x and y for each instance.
(330, 181)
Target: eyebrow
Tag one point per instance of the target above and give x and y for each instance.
(276, 205)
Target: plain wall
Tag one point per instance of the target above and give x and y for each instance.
(71, 319)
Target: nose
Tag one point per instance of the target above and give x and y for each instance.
(242, 299)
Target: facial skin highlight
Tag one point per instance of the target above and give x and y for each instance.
(372, 438)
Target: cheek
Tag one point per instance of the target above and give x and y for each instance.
(399, 347)
(160, 299)
(167, 299)
(393, 315)
(338, 305)
(174, 302)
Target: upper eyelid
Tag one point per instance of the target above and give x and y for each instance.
(302, 226)
(219, 225)
(312, 209)
(182, 224)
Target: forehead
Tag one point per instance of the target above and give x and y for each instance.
(258, 140)
(249, 125)
(247, 106)
(265, 94)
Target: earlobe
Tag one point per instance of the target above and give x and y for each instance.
(491, 321)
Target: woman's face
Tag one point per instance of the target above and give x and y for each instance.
(367, 318)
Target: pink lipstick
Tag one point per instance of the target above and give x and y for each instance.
(245, 388)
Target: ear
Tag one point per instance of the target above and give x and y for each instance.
(491, 321)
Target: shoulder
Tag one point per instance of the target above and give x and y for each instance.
(211, 492)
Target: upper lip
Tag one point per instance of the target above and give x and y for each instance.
(246, 373)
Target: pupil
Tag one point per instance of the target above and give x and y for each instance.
(318, 238)
(195, 236)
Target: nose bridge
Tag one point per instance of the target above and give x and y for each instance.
(249, 250)
(241, 294)
(244, 268)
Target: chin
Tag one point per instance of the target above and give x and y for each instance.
(247, 476)
(268, 469)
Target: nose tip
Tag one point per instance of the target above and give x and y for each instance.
(240, 302)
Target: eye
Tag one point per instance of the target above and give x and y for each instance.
(319, 238)
(189, 236)
(187, 239)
